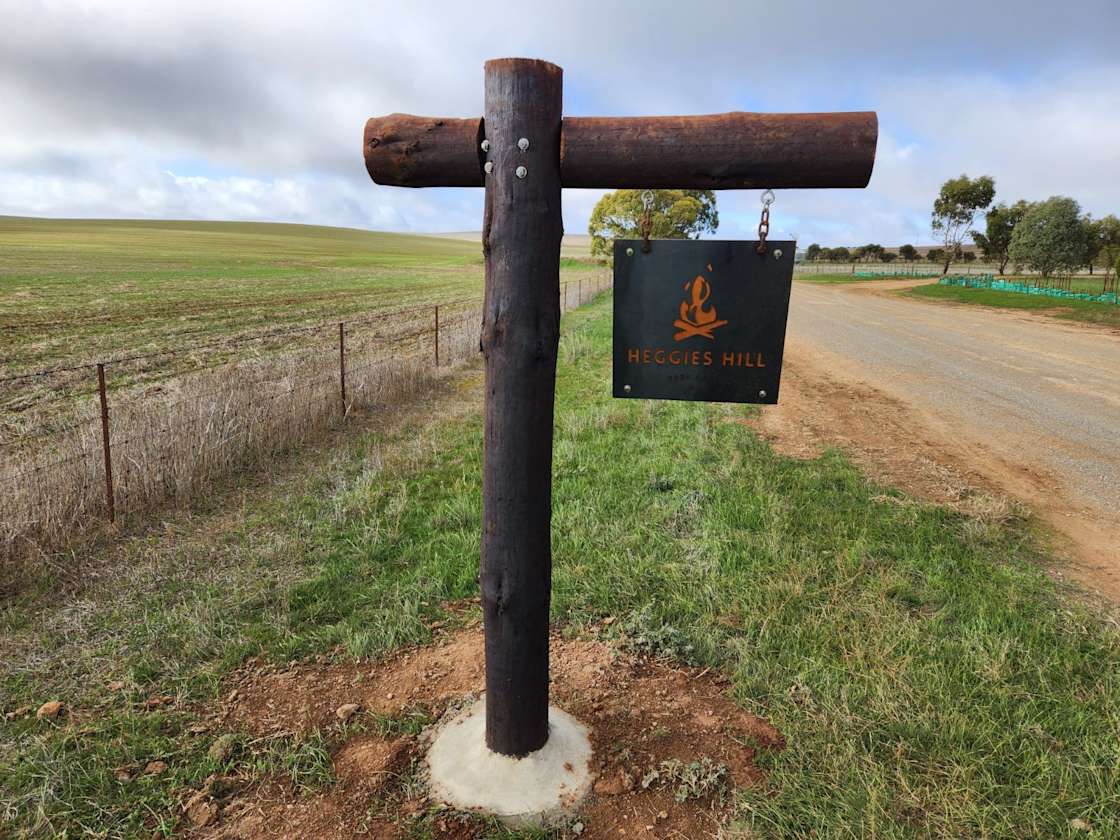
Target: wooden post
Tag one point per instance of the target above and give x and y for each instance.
(110, 501)
(520, 332)
(523, 299)
(736, 151)
(342, 363)
(437, 336)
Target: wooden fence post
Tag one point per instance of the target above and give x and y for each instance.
(342, 363)
(110, 501)
(520, 332)
(437, 335)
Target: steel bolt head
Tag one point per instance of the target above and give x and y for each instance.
(777, 253)
(489, 166)
(626, 388)
(485, 145)
(762, 394)
(629, 252)
(521, 172)
(523, 144)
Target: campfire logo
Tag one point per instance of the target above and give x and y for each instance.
(694, 318)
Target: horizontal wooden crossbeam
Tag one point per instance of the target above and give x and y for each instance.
(716, 152)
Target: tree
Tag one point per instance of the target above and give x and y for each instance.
(996, 240)
(1091, 234)
(675, 214)
(1108, 233)
(908, 253)
(888, 257)
(1050, 237)
(871, 252)
(935, 255)
(955, 208)
(968, 256)
(813, 252)
(841, 254)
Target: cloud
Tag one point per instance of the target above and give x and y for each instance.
(1037, 138)
(253, 110)
(138, 189)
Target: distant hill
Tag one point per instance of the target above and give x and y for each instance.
(574, 245)
(162, 234)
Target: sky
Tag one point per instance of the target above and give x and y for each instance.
(254, 110)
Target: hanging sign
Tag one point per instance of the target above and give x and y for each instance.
(700, 320)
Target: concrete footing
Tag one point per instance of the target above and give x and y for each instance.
(543, 788)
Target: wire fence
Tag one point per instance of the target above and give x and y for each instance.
(1055, 287)
(103, 441)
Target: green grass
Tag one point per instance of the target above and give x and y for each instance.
(1079, 283)
(930, 679)
(1107, 314)
(82, 290)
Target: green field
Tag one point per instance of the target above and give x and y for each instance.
(75, 291)
(831, 279)
(1106, 314)
(930, 678)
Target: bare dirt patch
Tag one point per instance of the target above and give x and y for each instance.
(821, 407)
(670, 745)
(365, 768)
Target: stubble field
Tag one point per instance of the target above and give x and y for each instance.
(221, 342)
(88, 290)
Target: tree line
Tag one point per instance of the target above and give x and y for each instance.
(1049, 237)
(877, 253)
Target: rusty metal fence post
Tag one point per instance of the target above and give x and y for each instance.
(437, 336)
(342, 363)
(110, 501)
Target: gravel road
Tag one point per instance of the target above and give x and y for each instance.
(1036, 400)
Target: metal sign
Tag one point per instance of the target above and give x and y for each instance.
(703, 321)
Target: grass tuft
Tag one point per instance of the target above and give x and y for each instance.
(692, 780)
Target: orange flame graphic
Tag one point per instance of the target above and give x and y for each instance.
(694, 318)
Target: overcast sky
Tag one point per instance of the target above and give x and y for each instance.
(254, 110)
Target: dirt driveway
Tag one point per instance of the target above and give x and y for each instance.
(946, 399)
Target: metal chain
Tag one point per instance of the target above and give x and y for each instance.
(646, 223)
(764, 223)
